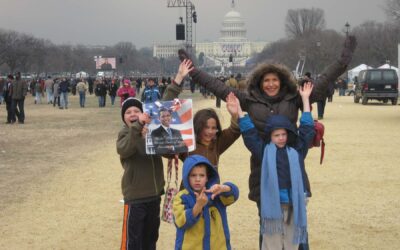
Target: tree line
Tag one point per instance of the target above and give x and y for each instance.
(307, 37)
(26, 53)
(306, 31)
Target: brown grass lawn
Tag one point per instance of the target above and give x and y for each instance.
(60, 179)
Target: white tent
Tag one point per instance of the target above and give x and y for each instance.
(387, 66)
(82, 74)
(354, 71)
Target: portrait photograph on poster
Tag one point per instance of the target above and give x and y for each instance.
(171, 128)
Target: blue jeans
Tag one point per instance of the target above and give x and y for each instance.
(49, 93)
(101, 100)
(112, 97)
(38, 97)
(82, 99)
(64, 99)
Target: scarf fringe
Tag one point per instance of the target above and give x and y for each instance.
(300, 235)
(271, 226)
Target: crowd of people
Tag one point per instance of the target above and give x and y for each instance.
(56, 92)
(278, 180)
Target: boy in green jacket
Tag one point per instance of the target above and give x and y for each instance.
(142, 181)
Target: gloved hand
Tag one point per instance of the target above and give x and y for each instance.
(182, 54)
(350, 45)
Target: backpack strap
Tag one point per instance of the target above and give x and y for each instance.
(169, 170)
(322, 151)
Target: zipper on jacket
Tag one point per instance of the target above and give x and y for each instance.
(154, 175)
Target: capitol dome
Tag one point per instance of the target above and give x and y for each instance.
(233, 27)
(232, 15)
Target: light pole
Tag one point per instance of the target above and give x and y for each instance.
(316, 69)
(347, 25)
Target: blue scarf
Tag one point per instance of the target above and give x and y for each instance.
(271, 212)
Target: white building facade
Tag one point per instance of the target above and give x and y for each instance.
(232, 43)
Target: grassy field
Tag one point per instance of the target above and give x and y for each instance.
(60, 179)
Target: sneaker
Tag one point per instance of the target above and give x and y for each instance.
(320, 118)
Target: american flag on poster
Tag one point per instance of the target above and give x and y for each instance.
(181, 119)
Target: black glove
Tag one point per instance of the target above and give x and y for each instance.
(350, 45)
(182, 54)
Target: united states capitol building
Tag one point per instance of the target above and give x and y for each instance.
(232, 41)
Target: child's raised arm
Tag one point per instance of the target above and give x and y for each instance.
(305, 92)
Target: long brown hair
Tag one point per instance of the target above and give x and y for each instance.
(200, 121)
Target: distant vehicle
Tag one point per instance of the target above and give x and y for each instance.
(378, 84)
(105, 74)
(26, 76)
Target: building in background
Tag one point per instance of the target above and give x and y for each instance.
(232, 48)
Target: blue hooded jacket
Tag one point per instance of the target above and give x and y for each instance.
(195, 232)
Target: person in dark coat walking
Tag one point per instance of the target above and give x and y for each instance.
(112, 91)
(101, 91)
(90, 82)
(19, 91)
(7, 94)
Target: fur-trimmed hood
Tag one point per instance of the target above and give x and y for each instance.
(288, 87)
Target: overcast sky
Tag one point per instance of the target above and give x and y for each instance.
(105, 22)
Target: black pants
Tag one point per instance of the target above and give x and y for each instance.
(10, 117)
(56, 100)
(303, 246)
(218, 102)
(321, 108)
(140, 226)
(17, 109)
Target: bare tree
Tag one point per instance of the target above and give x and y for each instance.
(320, 49)
(392, 9)
(26, 53)
(377, 42)
(300, 22)
(19, 47)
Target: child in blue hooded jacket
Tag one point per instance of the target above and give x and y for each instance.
(200, 208)
(283, 192)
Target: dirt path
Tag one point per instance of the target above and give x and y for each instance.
(60, 180)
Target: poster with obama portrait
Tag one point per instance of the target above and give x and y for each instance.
(171, 128)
